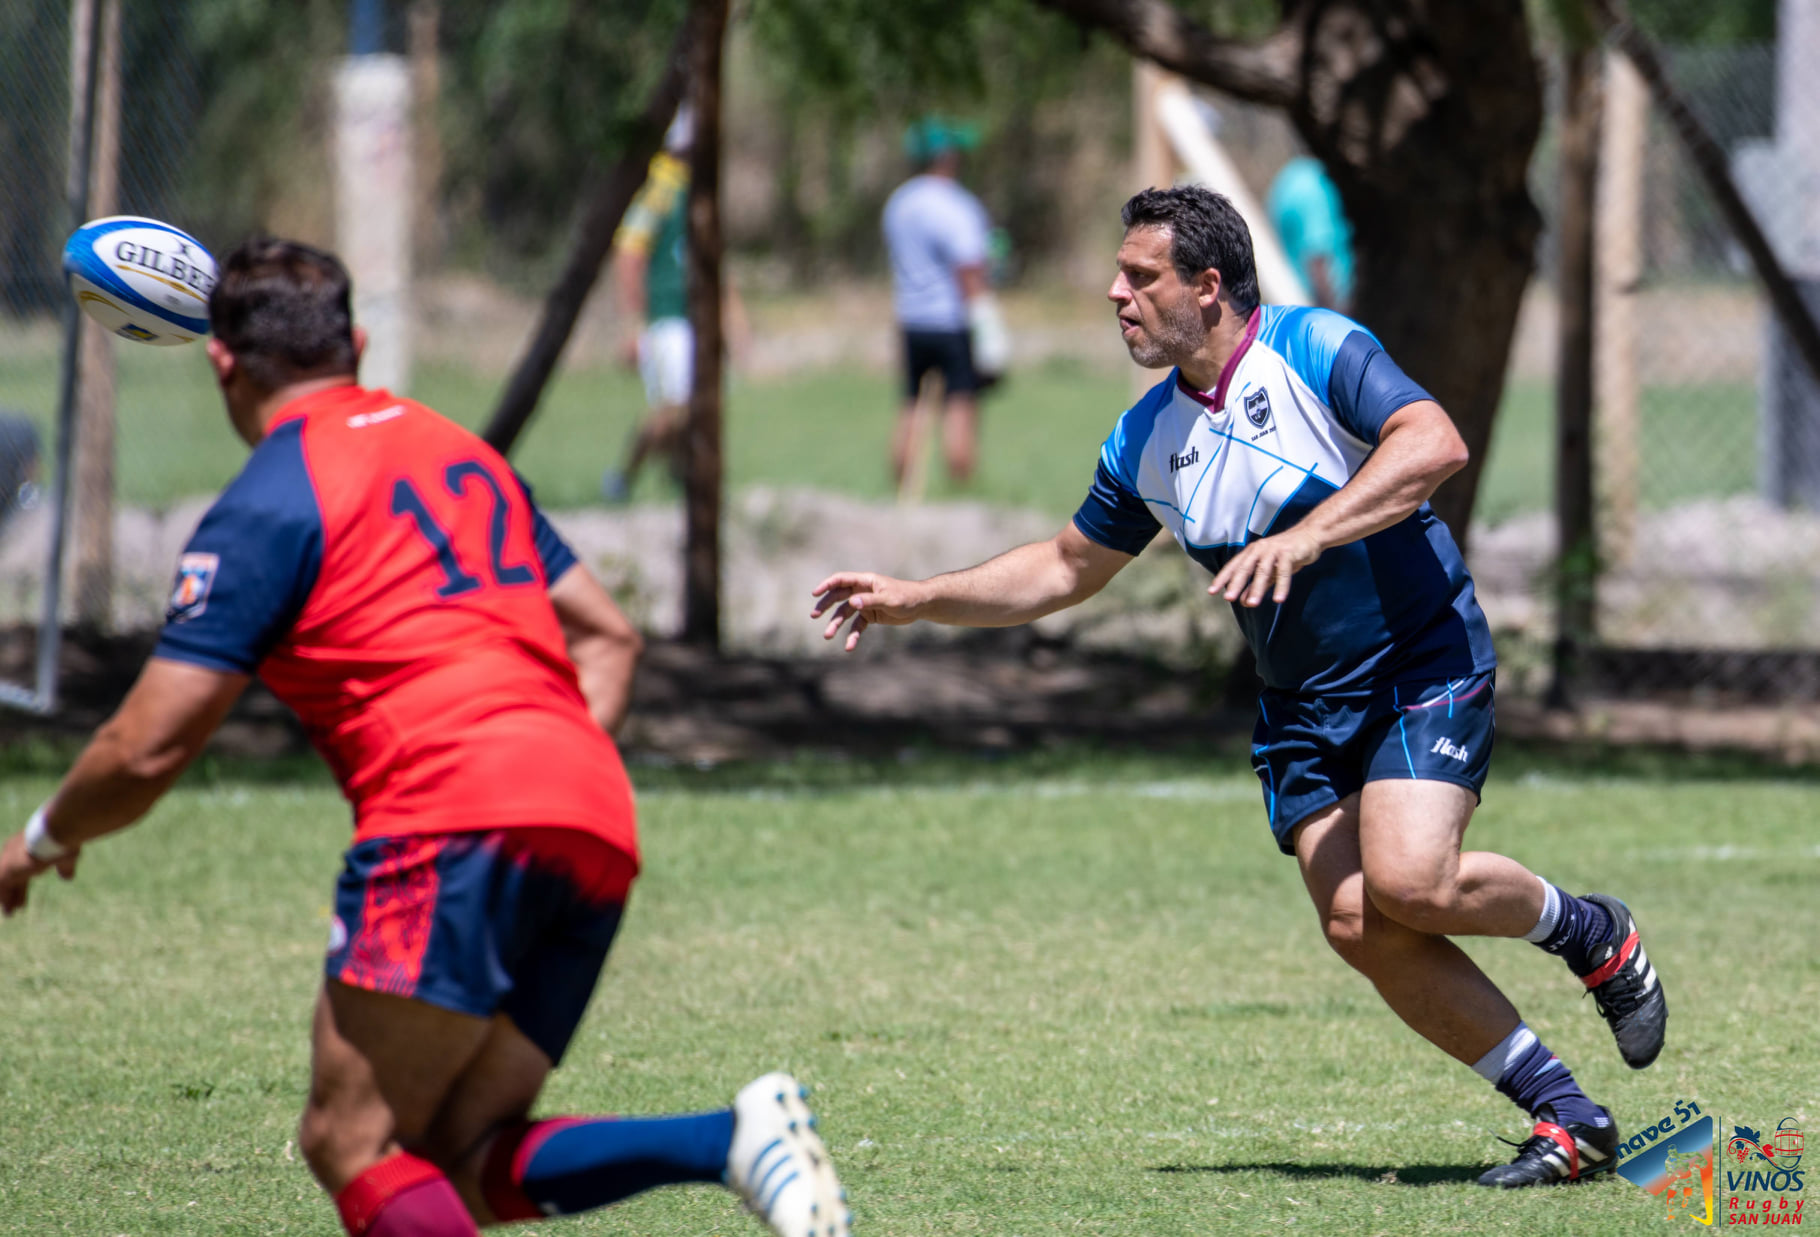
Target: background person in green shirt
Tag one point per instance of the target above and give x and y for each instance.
(651, 279)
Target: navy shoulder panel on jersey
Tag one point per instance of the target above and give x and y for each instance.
(1367, 387)
(556, 553)
(1341, 362)
(251, 564)
(1112, 513)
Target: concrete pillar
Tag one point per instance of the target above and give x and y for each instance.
(373, 208)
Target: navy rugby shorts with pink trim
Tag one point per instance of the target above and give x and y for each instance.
(1310, 752)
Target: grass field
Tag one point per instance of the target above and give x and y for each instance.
(1071, 992)
(830, 429)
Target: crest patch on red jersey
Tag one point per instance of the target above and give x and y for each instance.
(190, 595)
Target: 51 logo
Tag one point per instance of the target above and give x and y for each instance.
(1673, 1159)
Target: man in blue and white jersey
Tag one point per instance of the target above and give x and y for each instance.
(1288, 455)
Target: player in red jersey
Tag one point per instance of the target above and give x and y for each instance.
(389, 578)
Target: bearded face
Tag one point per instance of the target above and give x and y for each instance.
(1159, 312)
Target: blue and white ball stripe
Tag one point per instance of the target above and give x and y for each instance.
(141, 279)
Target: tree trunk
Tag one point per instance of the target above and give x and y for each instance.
(1426, 117)
(1576, 565)
(1425, 113)
(593, 238)
(702, 480)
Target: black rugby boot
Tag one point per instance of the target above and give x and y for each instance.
(1558, 1153)
(1626, 988)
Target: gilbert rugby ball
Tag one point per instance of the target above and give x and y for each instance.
(141, 279)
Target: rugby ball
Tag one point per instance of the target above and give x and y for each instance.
(141, 279)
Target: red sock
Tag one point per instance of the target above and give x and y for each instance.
(499, 1179)
(403, 1196)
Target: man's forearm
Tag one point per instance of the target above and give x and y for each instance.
(1398, 478)
(109, 787)
(1019, 586)
(605, 667)
(136, 755)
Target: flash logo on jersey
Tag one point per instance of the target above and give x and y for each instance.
(190, 596)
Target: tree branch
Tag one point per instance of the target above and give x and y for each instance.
(1709, 160)
(1261, 72)
(593, 238)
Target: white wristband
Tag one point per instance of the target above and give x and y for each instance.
(39, 843)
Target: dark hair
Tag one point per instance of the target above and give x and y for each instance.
(282, 308)
(1206, 232)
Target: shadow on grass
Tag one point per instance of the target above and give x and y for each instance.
(1376, 1174)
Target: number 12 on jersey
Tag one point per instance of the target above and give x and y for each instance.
(407, 502)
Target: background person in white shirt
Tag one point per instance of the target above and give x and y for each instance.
(938, 235)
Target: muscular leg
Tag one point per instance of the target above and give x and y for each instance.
(381, 1067)
(1410, 834)
(496, 1090)
(960, 435)
(1427, 980)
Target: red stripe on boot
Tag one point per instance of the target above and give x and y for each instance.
(1611, 968)
(403, 1196)
(1564, 1140)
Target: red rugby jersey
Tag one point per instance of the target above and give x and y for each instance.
(386, 573)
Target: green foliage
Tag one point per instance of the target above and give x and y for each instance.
(536, 93)
(1706, 22)
(894, 59)
(258, 71)
(847, 76)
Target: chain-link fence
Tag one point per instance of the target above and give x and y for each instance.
(144, 103)
(1706, 422)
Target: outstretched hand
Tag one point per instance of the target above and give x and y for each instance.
(18, 868)
(867, 598)
(1266, 565)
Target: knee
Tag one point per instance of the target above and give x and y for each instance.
(339, 1146)
(324, 1148)
(1345, 930)
(1425, 905)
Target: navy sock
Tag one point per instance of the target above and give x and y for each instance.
(1533, 1078)
(571, 1164)
(1579, 928)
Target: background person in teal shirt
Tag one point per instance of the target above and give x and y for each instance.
(1305, 210)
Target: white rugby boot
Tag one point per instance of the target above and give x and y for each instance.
(778, 1164)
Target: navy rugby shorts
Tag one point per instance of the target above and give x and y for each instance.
(1310, 752)
(513, 921)
(949, 353)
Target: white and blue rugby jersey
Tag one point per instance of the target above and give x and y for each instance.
(1297, 409)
